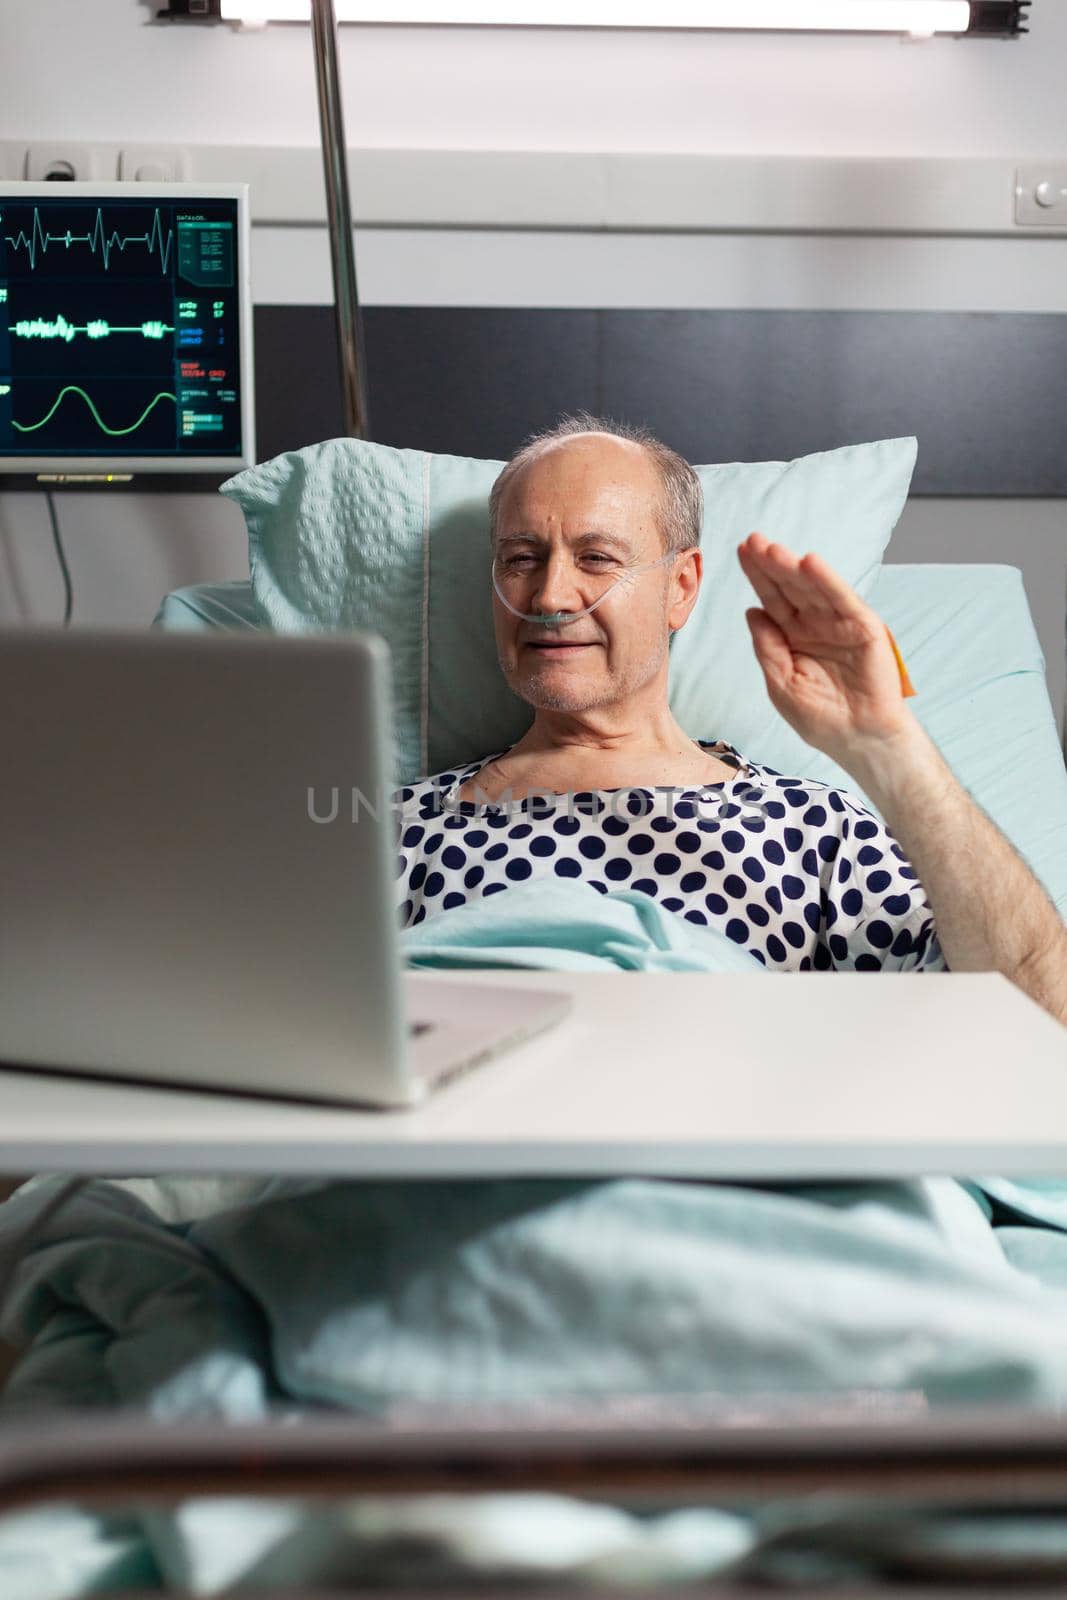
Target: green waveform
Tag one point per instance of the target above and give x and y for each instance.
(38, 239)
(72, 388)
(62, 329)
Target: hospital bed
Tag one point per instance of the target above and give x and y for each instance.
(971, 650)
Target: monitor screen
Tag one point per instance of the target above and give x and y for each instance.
(125, 328)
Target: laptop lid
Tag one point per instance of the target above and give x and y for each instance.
(197, 861)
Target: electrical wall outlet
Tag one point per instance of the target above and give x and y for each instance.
(154, 164)
(1041, 195)
(66, 161)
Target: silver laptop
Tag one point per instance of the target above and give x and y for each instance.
(197, 859)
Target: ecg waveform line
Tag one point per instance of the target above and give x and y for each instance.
(37, 328)
(72, 388)
(39, 239)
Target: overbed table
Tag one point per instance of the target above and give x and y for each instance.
(810, 1075)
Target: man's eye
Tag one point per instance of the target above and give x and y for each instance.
(522, 563)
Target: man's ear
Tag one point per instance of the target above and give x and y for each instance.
(685, 579)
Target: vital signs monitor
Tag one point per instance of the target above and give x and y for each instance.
(125, 329)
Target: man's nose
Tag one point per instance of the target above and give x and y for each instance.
(556, 585)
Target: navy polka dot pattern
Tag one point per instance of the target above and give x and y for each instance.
(804, 877)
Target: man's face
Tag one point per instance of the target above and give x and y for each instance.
(582, 514)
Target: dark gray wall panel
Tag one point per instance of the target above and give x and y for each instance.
(986, 393)
(436, 379)
(458, 382)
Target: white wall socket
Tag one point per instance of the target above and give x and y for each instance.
(1041, 195)
(154, 164)
(67, 160)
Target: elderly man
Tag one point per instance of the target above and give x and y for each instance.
(596, 527)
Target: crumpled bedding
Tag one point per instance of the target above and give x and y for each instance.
(567, 926)
(245, 1299)
(364, 1295)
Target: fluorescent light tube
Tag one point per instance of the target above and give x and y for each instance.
(838, 16)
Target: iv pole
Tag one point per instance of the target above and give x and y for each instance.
(350, 347)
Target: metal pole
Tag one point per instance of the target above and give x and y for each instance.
(339, 212)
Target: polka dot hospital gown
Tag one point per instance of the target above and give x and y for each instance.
(803, 876)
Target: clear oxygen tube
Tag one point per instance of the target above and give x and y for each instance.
(562, 619)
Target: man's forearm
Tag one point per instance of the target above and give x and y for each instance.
(991, 913)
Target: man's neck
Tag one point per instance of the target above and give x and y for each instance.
(596, 737)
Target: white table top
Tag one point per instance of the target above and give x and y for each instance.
(671, 1074)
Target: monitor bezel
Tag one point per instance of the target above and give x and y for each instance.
(99, 465)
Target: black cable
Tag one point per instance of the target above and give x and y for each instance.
(68, 592)
(9, 1268)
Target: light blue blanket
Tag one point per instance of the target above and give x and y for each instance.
(240, 1299)
(572, 927)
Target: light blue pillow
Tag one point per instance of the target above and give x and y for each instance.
(349, 534)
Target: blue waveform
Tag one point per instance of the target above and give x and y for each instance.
(39, 239)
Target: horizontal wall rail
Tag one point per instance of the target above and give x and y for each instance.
(587, 190)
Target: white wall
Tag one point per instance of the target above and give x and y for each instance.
(100, 69)
(105, 71)
(124, 551)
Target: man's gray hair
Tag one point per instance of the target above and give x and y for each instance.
(681, 509)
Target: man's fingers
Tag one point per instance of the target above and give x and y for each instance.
(772, 647)
(836, 593)
(781, 567)
(771, 595)
(800, 587)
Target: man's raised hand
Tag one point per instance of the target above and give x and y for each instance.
(830, 668)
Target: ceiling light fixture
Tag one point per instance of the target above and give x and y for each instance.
(962, 18)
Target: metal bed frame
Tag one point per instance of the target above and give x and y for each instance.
(981, 1462)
